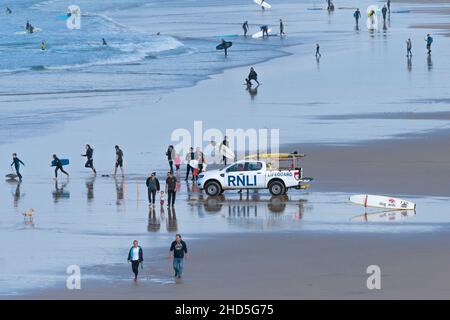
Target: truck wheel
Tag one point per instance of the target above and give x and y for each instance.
(213, 188)
(277, 188)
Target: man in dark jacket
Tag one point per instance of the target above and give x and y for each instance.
(179, 249)
(135, 256)
(152, 187)
(171, 189)
(190, 156)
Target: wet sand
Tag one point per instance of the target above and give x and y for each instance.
(413, 165)
(284, 266)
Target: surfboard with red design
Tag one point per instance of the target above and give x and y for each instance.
(374, 201)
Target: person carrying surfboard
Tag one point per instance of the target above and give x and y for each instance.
(16, 162)
(43, 46)
(58, 166)
(245, 28)
(225, 47)
(429, 40)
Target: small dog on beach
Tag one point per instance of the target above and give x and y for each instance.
(28, 215)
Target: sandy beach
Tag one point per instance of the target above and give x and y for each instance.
(368, 119)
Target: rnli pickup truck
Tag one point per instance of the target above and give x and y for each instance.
(256, 172)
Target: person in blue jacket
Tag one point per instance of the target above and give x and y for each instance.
(136, 257)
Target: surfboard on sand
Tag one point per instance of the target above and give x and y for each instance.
(64, 162)
(263, 4)
(225, 45)
(374, 201)
(260, 34)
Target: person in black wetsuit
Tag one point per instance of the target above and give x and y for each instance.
(265, 30)
(8, 11)
(224, 45)
(58, 166)
(252, 76)
(119, 161)
(104, 42)
(90, 161)
(16, 162)
(245, 27)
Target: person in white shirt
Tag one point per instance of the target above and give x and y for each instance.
(135, 256)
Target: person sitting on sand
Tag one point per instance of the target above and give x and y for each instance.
(252, 76)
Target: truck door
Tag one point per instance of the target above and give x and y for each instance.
(234, 176)
(255, 175)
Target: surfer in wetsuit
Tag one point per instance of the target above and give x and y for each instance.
(245, 27)
(58, 166)
(8, 11)
(43, 46)
(89, 155)
(225, 47)
(262, 7)
(357, 16)
(281, 28)
(104, 42)
(27, 26)
(384, 11)
(16, 162)
(252, 76)
(119, 160)
(265, 30)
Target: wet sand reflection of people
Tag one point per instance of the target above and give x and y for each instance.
(120, 190)
(171, 222)
(59, 192)
(252, 91)
(429, 63)
(154, 223)
(409, 64)
(90, 189)
(17, 195)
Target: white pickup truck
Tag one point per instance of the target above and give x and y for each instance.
(254, 173)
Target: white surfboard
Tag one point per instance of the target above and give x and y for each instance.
(374, 201)
(263, 4)
(226, 152)
(193, 163)
(385, 216)
(260, 34)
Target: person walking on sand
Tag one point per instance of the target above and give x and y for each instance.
(171, 189)
(408, 48)
(153, 186)
(252, 76)
(200, 156)
(429, 41)
(221, 146)
(281, 28)
(225, 48)
(357, 16)
(384, 11)
(58, 166)
(136, 257)
(89, 155)
(119, 160)
(318, 55)
(245, 28)
(170, 153)
(389, 5)
(179, 249)
(190, 156)
(16, 162)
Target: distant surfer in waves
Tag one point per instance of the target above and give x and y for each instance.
(8, 11)
(245, 28)
(252, 76)
(29, 27)
(43, 46)
(104, 42)
(262, 7)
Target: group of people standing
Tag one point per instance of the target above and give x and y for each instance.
(177, 252)
(264, 29)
